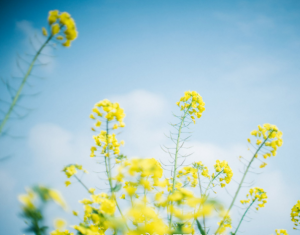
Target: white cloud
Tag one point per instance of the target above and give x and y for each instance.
(145, 121)
(141, 104)
(50, 143)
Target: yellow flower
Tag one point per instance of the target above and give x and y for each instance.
(55, 29)
(263, 165)
(59, 224)
(55, 195)
(53, 16)
(295, 214)
(192, 103)
(281, 232)
(98, 123)
(67, 183)
(67, 43)
(59, 37)
(92, 190)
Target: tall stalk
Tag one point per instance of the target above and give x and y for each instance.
(242, 181)
(16, 98)
(201, 197)
(176, 155)
(108, 172)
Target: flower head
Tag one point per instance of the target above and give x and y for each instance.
(192, 103)
(64, 24)
(295, 214)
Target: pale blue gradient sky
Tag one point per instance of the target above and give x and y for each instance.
(241, 56)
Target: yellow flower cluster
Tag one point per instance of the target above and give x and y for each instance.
(192, 103)
(59, 22)
(146, 220)
(111, 111)
(256, 194)
(107, 142)
(204, 170)
(97, 212)
(281, 232)
(185, 198)
(295, 214)
(225, 223)
(146, 173)
(223, 169)
(71, 170)
(193, 179)
(268, 132)
(57, 232)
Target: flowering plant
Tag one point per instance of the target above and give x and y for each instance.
(158, 203)
(142, 197)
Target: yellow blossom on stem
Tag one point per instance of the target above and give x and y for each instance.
(295, 214)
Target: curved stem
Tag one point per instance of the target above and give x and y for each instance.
(242, 181)
(244, 216)
(16, 98)
(82, 183)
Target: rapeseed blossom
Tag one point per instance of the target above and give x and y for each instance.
(256, 194)
(224, 170)
(71, 170)
(269, 136)
(190, 173)
(158, 204)
(224, 224)
(281, 232)
(61, 23)
(295, 214)
(109, 112)
(192, 103)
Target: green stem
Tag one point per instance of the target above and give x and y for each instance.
(244, 216)
(14, 102)
(210, 182)
(201, 197)
(108, 172)
(176, 156)
(82, 183)
(242, 181)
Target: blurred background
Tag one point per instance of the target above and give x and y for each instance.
(241, 56)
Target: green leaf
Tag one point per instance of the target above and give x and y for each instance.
(117, 188)
(200, 228)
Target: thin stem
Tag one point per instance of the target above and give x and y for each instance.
(108, 172)
(210, 182)
(14, 102)
(201, 196)
(82, 183)
(244, 216)
(176, 156)
(243, 178)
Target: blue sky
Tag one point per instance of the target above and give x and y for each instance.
(241, 56)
